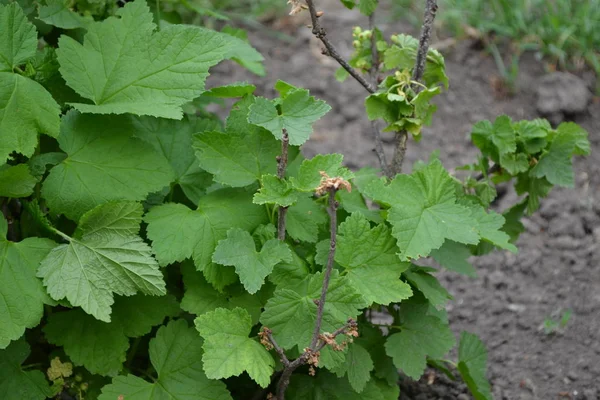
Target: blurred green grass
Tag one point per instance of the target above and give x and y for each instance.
(565, 33)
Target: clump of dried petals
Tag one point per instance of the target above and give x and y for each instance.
(297, 6)
(264, 338)
(312, 357)
(336, 183)
(352, 328)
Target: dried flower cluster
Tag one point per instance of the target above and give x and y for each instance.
(336, 183)
(297, 6)
(264, 338)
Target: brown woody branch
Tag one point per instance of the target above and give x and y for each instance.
(402, 136)
(374, 72)
(310, 354)
(282, 162)
(332, 210)
(321, 34)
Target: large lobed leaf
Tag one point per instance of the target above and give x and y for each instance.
(22, 295)
(291, 312)
(228, 351)
(177, 232)
(105, 257)
(105, 162)
(176, 354)
(125, 66)
(369, 256)
(420, 336)
(17, 384)
(99, 346)
(26, 108)
(295, 112)
(472, 365)
(239, 250)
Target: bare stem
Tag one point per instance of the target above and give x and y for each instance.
(317, 343)
(374, 72)
(282, 162)
(269, 334)
(320, 34)
(430, 11)
(402, 136)
(333, 205)
(399, 153)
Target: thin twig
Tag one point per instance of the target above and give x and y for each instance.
(374, 72)
(278, 349)
(333, 205)
(282, 162)
(350, 326)
(491, 170)
(317, 342)
(402, 136)
(320, 34)
(428, 18)
(399, 153)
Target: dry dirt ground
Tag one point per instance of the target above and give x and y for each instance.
(558, 266)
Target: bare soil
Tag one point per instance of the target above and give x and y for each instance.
(558, 266)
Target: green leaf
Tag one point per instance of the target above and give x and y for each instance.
(178, 232)
(173, 140)
(514, 163)
(309, 174)
(489, 228)
(327, 386)
(39, 162)
(18, 37)
(138, 70)
(136, 315)
(102, 260)
(367, 7)
(428, 284)
(371, 338)
(237, 158)
(200, 296)
(275, 191)
(236, 89)
(536, 188)
(513, 225)
(240, 51)
(500, 136)
(555, 164)
(17, 384)
(16, 181)
(304, 218)
(424, 211)
(290, 274)
(298, 112)
(421, 336)
(239, 250)
(291, 312)
(578, 134)
(472, 365)
(357, 366)
(22, 294)
(369, 255)
(26, 109)
(176, 354)
(58, 13)
(454, 256)
(104, 163)
(100, 347)
(228, 351)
